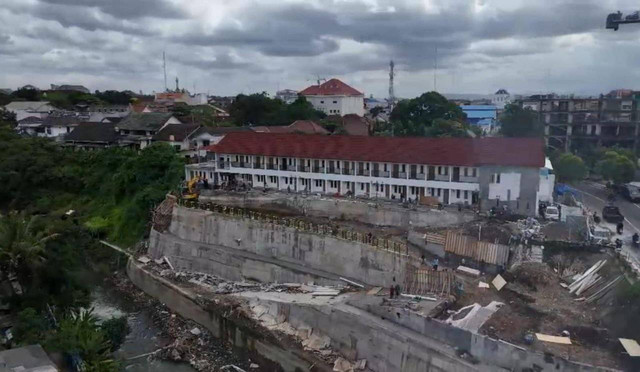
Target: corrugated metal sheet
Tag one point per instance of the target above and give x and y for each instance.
(435, 238)
(467, 246)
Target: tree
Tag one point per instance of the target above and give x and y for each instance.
(569, 167)
(259, 109)
(447, 128)
(113, 97)
(27, 94)
(7, 118)
(516, 121)
(616, 166)
(21, 248)
(414, 116)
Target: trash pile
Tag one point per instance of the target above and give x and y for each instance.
(191, 343)
(529, 227)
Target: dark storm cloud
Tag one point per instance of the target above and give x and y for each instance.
(128, 9)
(280, 30)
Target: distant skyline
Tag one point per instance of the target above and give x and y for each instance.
(246, 46)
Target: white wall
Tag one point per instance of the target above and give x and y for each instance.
(545, 191)
(508, 182)
(212, 138)
(338, 105)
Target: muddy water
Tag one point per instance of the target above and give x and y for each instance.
(143, 337)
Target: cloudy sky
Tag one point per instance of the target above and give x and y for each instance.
(226, 47)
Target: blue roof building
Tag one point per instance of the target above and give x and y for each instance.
(476, 114)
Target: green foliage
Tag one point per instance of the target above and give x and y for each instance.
(7, 118)
(116, 330)
(569, 167)
(447, 128)
(260, 109)
(617, 166)
(79, 334)
(516, 121)
(113, 97)
(30, 327)
(417, 116)
(26, 95)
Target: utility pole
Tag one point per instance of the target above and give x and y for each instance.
(392, 95)
(164, 67)
(435, 71)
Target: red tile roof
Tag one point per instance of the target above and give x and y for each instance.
(298, 126)
(333, 87)
(527, 152)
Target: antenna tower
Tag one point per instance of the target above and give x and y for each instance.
(392, 95)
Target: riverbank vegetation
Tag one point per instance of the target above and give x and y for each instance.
(55, 203)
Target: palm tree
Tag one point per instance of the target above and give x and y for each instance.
(21, 248)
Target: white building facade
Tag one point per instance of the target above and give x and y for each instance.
(462, 183)
(335, 98)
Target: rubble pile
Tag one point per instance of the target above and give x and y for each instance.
(191, 343)
(532, 274)
(529, 228)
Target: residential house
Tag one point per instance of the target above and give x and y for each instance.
(24, 109)
(207, 136)
(99, 113)
(70, 88)
(501, 98)
(57, 126)
(298, 126)
(287, 96)
(30, 358)
(138, 129)
(177, 135)
(453, 170)
(90, 135)
(29, 125)
(6, 91)
(334, 97)
(171, 98)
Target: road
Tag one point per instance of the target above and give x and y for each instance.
(594, 197)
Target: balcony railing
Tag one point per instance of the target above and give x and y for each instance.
(333, 170)
(257, 165)
(379, 173)
(272, 166)
(399, 175)
(318, 170)
(302, 168)
(363, 172)
(347, 171)
(442, 177)
(416, 176)
(291, 168)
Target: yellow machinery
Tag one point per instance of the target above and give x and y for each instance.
(191, 192)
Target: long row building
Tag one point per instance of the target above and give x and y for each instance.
(487, 172)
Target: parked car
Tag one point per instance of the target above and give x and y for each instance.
(612, 214)
(632, 193)
(552, 213)
(600, 235)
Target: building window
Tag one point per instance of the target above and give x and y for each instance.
(466, 194)
(205, 142)
(439, 190)
(458, 194)
(335, 101)
(474, 172)
(466, 170)
(272, 179)
(495, 178)
(321, 101)
(362, 187)
(286, 181)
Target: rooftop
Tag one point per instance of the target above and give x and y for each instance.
(175, 132)
(93, 132)
(333, 87)
(526, 152)
(150, 121)
(29, 105)
(298, 126)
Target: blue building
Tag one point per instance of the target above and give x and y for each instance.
(484, 116)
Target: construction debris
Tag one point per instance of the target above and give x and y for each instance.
(631, 346)
(374, 291)
(553, 339)
(342, 365)
(351, 282)
(168, 263)
(468, 270)
(144, 259)
(419, 297)
(482, 284)
(499, 282)
(472, 317)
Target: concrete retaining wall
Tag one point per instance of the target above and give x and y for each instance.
(270, 355)
(485, 349)
(374, 213)
(234, 248)
(417, 238)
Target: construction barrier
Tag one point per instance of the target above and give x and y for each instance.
(427, 281)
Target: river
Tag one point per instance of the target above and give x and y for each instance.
(143, 337)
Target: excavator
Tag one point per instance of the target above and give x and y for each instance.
(191, 192)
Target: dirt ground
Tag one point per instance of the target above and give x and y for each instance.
(536, 303)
